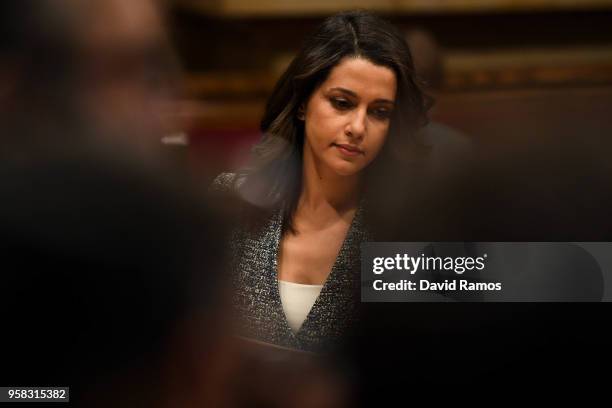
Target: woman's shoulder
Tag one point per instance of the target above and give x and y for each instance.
(224, 182)
(227, 182)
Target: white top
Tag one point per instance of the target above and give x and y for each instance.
(297, 300)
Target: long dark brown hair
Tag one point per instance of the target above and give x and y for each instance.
(274, 176)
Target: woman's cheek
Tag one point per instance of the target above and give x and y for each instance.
(380, 138)
(375, 150)
(323, 134)
(318, 139)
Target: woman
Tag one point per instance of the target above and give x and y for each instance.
(347, 101)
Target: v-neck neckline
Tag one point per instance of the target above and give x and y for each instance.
(340, 257)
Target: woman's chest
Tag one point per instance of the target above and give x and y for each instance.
(309, 256)
(257, 256)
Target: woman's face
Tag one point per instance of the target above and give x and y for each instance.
(347, 117)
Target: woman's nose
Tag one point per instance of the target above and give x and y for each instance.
(356, 128)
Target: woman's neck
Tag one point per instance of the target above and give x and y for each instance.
(325, 192)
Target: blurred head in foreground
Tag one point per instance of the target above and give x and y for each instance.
(71, 69)
(113, 283)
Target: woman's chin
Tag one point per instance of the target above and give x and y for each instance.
(346, 169)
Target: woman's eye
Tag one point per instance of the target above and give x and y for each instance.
(381, 113)
(341, 104)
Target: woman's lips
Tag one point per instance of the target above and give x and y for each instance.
(348, 150)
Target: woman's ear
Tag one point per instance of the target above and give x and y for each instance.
(301, 112)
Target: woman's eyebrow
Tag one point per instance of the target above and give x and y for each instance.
(386, 101)
(344, 90)
(354, 95)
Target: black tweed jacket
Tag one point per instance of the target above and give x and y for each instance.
(254, 247)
